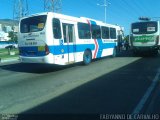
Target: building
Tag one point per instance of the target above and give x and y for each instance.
(5, 29)
(4, 36)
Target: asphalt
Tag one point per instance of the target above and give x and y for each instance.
(107, 86)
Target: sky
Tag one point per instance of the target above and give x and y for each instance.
(121, 12)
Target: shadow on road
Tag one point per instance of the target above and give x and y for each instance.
(117, 92)
(130, 53)
(35, 68)
(46, 68)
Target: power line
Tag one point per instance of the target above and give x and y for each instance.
(140, 8)
(53, 6)
(137, 9)
(105, 5)
(122, 9)
(20, 9)
(131, 7)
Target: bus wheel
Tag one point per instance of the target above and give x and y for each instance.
(87, 57)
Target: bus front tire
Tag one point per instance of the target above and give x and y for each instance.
(87, 57)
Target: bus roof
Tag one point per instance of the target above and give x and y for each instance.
(146, 21)
(77, 19)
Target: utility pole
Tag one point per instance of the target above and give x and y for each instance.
(105, 5)
(20, 9)
(53, 6)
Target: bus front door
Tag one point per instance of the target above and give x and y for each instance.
(69, 41)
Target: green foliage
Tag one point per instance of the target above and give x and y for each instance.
(13, 36)
(5, 54)
(126, 38)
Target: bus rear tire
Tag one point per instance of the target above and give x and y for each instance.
(87, 57)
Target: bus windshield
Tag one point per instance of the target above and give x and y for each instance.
(33, 24)
(144, 27)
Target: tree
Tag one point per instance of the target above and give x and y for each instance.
(126, 38)
(13, 36)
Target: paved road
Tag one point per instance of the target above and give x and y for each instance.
(108, 86)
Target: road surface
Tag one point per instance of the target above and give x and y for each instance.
(124, 86)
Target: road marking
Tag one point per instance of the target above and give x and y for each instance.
(147, 94)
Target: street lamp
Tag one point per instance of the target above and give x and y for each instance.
(105, 5)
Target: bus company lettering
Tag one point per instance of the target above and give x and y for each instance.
(30, 36)
(144, 38)
(30, 43)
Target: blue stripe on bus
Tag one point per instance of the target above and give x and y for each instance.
(103, 46)
(56, 50)
(64, 49)
(31, 51)
(93, 22)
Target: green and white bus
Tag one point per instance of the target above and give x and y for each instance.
(145, 36)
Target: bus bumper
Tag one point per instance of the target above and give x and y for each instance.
(42, 59)
(146, 48)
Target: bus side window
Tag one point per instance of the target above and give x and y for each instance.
(68, 32)
(96, 32)
(84, 31)
(56, 28)
(105, 32)
(25, 28)
(64, 32)
(112, 33)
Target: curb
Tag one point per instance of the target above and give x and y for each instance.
(9, 60)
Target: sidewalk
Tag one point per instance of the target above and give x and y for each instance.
(12, 59)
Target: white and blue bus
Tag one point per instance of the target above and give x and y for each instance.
(60, 39)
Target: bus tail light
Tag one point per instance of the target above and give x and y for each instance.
(46, 49)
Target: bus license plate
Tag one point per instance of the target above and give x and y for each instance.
(41, 48)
